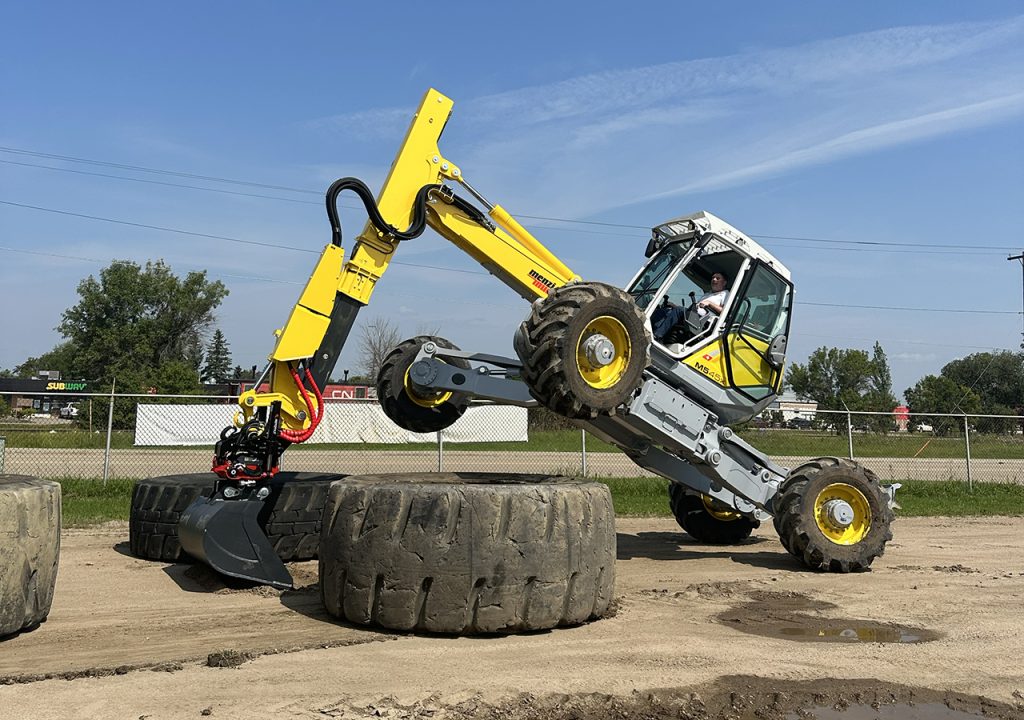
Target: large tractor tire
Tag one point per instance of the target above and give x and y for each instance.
(398, 397)
(29, 550)
(584, 349)
(833, 515)
(705, 521)
(290, 516)
(467, 553)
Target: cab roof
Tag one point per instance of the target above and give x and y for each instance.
(684, 227)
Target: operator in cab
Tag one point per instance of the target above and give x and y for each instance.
(668, 321)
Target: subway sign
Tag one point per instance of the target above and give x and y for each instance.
(68, 386)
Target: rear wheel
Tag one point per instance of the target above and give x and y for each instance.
(707, 520)
(584, 349)
(30, 517)
(404, 404)
(833, 515)
(290, 516)
(466, 553)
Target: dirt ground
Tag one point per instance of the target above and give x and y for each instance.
(740, 633)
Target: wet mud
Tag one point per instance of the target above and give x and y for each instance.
(729, 698)
(795, 616)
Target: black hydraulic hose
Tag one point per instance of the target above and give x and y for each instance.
(419, 219)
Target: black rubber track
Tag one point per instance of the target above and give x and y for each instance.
(29, 550)
(798, 529)
(290, 517)
(466, 553)
(548, 339)
(395, 401)
(701, 525)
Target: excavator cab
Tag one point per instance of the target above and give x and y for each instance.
(740, 350)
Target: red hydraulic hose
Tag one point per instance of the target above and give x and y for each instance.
(298, 436)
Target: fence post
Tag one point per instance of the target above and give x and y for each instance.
(583, 451)
(849, 431)
(967, 447)
(440, 452)
(110, 427)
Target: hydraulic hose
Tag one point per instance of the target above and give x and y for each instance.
(419, 219)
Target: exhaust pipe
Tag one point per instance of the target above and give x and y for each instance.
(225, 533)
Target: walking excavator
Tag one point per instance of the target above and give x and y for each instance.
(598, 354)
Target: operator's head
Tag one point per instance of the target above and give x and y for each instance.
(718, 282)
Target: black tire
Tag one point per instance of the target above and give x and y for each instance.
(30, 551)
(558, 373)
(465, 553)
(417, 414)
(290, 516)
(699, 523)
(811, 538)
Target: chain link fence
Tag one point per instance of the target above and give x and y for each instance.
(136, 436)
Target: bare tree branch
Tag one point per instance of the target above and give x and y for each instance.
(379, 337)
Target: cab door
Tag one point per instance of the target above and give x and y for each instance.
(756, 332)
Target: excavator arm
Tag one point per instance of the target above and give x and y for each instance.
(420, 191)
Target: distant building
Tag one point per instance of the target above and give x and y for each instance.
(44, 394)
(793, 407)
(333, 391)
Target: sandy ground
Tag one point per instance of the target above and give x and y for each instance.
(700, 632)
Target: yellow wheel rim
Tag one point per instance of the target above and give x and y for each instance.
(428, 401)
(839, 533)
(593, 373)
(716, 510)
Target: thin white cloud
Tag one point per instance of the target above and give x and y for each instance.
(879, 136)
(784, 70)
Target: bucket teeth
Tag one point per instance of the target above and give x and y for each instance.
(226, 535)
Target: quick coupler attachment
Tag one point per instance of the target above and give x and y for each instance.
(224, 532)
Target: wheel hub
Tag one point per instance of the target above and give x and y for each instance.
(603, 351)
(839, 513)
(843, 513)
(600, 351)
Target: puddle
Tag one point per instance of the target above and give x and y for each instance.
(792, 616)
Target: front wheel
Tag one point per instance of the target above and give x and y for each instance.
(833, 515)
(584, 349)
(404, 404)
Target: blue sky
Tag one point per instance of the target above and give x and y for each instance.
(893, 124)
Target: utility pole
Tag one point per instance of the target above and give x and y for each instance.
(1021, 258)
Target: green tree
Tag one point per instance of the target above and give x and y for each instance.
(940, 394)
(218, 359)
(844, 378)
(61, 358)
(998, 380)
(141, 325)
(136, 319)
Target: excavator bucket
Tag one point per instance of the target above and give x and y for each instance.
(226, 535)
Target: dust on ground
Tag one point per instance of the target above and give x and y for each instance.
(704, 633)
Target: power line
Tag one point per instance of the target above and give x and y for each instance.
(156, 227)
(160, 182)
(478, 272)
(912, 309)
(141, 168)
(878, 245)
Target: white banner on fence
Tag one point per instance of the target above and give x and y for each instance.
(342, 423)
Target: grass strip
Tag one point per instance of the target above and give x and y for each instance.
(89, 502)
(775, 442)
